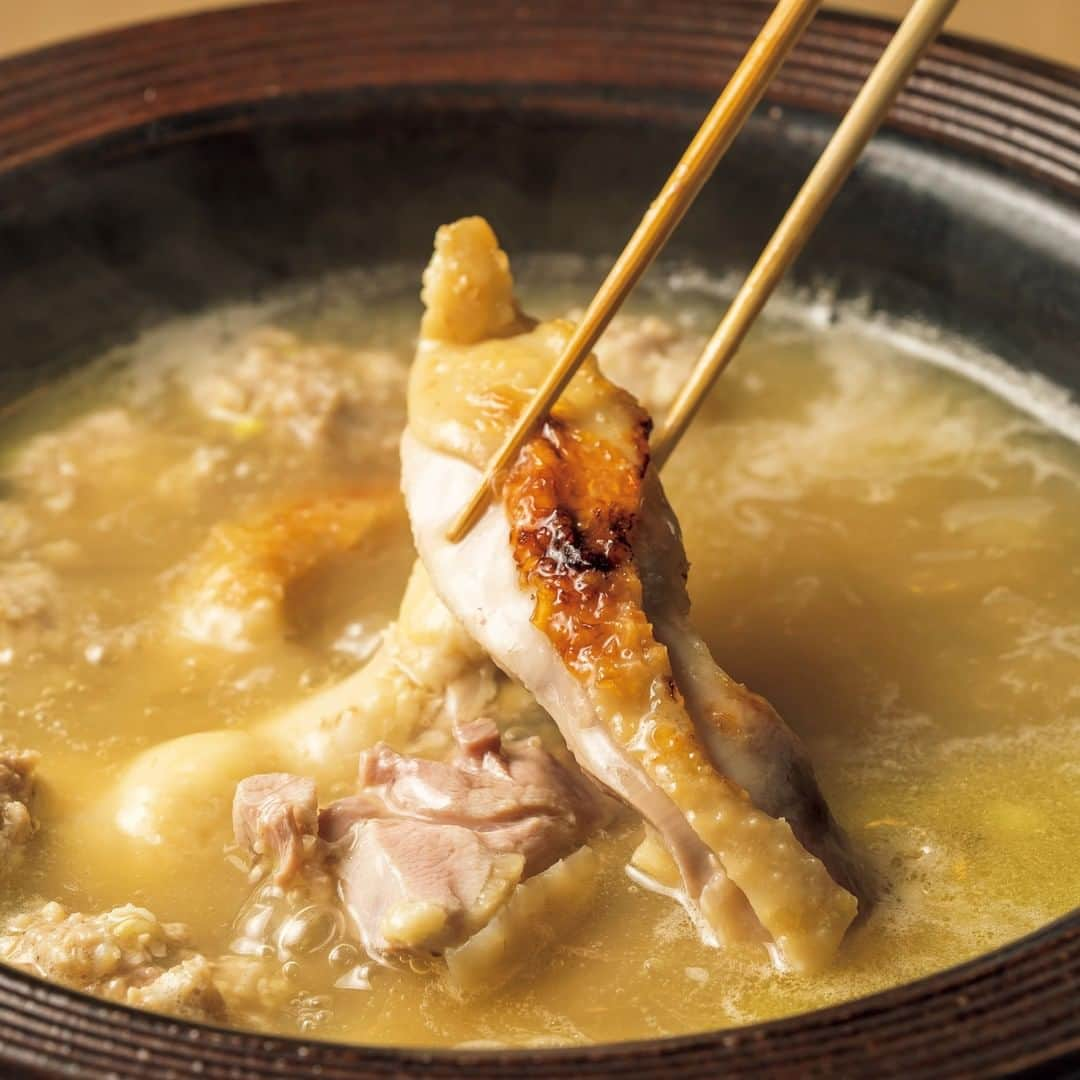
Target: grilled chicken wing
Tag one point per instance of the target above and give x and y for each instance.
(574, 582)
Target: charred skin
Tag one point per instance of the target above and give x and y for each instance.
(573, 504)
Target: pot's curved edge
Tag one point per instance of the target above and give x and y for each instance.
(132, 84)
(885, 1024)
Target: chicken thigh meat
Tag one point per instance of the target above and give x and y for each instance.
(574, 581)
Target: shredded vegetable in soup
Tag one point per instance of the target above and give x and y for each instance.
(797, 721)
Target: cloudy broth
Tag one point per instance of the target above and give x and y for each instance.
(885, 550)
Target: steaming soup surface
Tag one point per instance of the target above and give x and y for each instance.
(886, 551)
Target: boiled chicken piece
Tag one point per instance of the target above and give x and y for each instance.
(299, 395)
(574, 582)
(425, 852)
(542, 911)
(128, 955)
(276, 815)
(17, 823)
(745, 737)
(99, 456)
(517, 796)
(125, 954)
(426, 676)
(233, 593)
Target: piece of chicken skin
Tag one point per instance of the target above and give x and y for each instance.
(745, 737)
(233, 591)
(426, 676)
(550, 583)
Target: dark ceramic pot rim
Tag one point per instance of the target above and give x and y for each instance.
(130, 91)
(126, 94)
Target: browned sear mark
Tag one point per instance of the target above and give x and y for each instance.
(573, 501)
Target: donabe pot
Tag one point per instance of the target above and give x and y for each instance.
(188, 162)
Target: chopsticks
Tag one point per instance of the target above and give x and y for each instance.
(780, 33)
(919, 28)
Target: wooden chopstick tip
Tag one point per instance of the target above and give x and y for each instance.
(726, 118)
